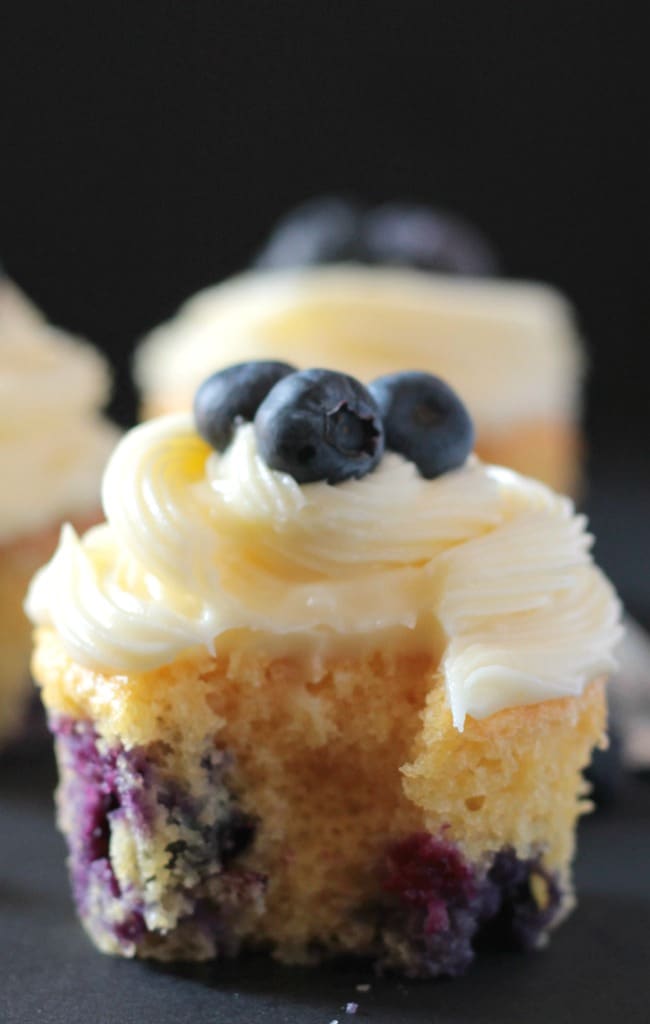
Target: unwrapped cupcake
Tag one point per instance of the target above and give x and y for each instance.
(53, 447)
(323, 683)
(387, 289)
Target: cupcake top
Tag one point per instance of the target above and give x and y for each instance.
(374, 290)
(486, 337)
(326, 517)
(53, 441)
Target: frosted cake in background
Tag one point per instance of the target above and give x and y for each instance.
(53, 447)
(393, 288)
(323, 683)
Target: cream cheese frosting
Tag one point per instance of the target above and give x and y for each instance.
(197, 544)
(514, 340)
(53, 441)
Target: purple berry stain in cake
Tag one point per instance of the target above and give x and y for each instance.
(527, 898)
(440, 908)
(103, 786)
(429, 874)
(94, 791)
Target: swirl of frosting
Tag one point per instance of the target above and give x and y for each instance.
(197, 544)
(53, 441)
(516, 340)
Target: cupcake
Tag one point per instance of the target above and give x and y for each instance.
(53, 446)
(385, 290)
(323, 683)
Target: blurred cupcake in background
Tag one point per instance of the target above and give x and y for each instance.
(53, 446)
(375, 291)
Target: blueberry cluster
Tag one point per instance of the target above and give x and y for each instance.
(324, 425)
(441, 909)
(336, 230)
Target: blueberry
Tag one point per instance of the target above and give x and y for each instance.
(232, 396)
(335, 230)
(521, 900)
(326, 230)
(235, 834)
(418, 236)
(320, 425)
(424, 420)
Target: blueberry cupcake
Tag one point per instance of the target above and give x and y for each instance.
(323, 683)
(53, 445)
(388, 289)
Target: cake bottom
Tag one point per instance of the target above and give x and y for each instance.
(19, 560)
(246, 802)
(432, 907)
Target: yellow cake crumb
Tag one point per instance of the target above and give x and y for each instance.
(335, 759)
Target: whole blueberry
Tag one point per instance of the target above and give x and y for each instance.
(424, 420)
(324, 230)
(412, 235)
(320, 425)
(232, 396)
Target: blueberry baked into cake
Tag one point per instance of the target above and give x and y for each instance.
(53, 446)
(324, 683)
(379, 290)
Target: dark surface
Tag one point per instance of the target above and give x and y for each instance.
(595, 970)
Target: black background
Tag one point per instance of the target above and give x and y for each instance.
(145, 149)
(148, 146)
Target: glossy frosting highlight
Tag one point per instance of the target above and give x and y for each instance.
(197, 544)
